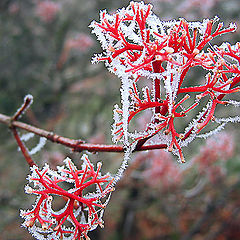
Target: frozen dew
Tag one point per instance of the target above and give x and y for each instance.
(83, 209)
(40, 145)
(138, 45)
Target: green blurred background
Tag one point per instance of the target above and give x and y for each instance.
(46, 51)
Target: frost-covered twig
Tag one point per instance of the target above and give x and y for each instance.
(75, 145)
(26, 104)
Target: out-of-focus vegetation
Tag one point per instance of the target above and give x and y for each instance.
(46, 51)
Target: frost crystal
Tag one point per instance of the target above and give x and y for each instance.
(38, 147)
(81, 210)
(143, 50)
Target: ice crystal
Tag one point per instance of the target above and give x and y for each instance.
(82, 211)
(137, 45)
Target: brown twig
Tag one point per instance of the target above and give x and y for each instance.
(26, 104)
(76, 145)
(24, 150)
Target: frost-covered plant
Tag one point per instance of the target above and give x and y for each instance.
(85, 200)
(154, 60)
(137, 46)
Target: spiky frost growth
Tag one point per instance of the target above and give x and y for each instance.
(137, 45)
(83, 208)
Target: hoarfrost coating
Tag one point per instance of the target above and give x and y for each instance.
(83, 210)
(141, 49)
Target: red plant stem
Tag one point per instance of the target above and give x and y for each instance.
(236, 80)
(27, 102)
(20, 111)
(23, 148)
(76, 145)
(156, 69)
(157, 93)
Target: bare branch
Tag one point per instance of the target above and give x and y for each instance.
(26, 104)
(23, 148)
(76, 145)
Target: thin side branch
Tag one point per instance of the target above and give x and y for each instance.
(26, 104)
(76, 145)
(23, 148)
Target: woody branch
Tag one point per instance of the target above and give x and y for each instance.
(76, 145)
